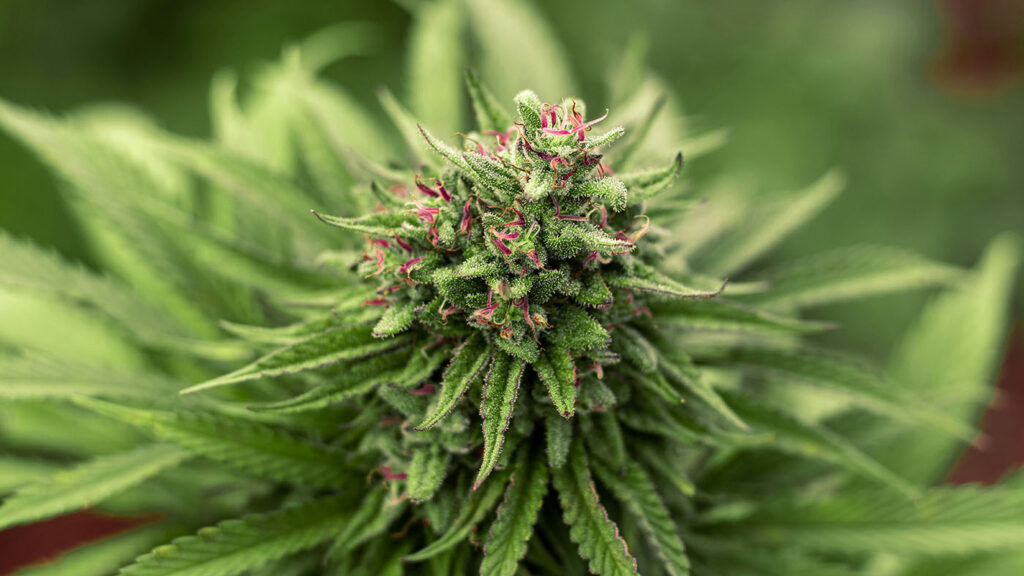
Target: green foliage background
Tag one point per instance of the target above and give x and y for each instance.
(801, 85)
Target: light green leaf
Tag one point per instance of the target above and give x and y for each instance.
(251, 448)
(519, 48)
(490, 115)
(472, 511)
(316, 351)
(511, 531)
(817, 442)
(397, 318)
(644, 185)
(499, 397)
(944, 521)
(848, 274)
(950, 357)
(767, 221)
(374, 516)
(680, 371)
(401, 367)
(426, 472)
(558, 372)
(435, 60)
(35, 376)
(383, 224)
(727, 317)
(647, 279)
(595, 534)
(235, 546)
(468, 362)
(852, 381)
(639, 495)
(87, 484)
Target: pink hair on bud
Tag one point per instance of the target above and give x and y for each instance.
(501, 246)
(445, 195)
(448, 312)
(532, 255)
(467, 218)
(519, 221)
(409, 264)
(380, 242)
(376, 302)
(388, 474)
(425, 213)
(505, 235)
(487, 312)
(424, 390)
(424, 188)
(560, 216)
(405, 245)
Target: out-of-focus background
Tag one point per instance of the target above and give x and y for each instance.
(919, 102)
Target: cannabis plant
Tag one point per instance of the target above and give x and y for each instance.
(514, 352)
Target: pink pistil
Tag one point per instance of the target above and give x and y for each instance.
(560, 216)
(405, 245)
(501, 246)
(389, 474)
(467, 219)
(424, 390)
(409, 264)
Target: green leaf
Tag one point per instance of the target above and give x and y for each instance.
(446, 152)
(558, 372)
(644, 185)
(647, 279)
(434, 57)
(766, 223)
(635, 349)
(950, 357)
(817, 442)
(87, 484)
(374, 516)
(469, 360)
(104, 557)
(608, 189)
(851, 380)
(35, 376)
(397, 318)
(501, 387)
(401, 368)
(577, 330)
(406, 124)
(17, 471)
(595, 534)
(639, 495)
(235, 546)
(727, 317)
(251, 448)
(558, 440)
(384, 224)
(943, 521)
(479, 503)
(511, 531)
(536, 59)
(681, 371)
(848, 274)
(489, 113)
(426, 472)
(316, 351)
